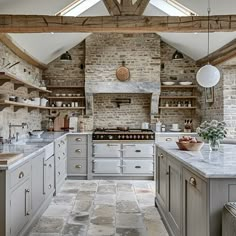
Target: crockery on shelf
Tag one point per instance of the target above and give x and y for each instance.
(185, 83)
(168, 83)
(58, 103)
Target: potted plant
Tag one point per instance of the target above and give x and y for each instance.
(212, 131)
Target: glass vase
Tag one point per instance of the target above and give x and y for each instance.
(214, 144)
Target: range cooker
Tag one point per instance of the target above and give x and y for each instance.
(123, 153)
(131, 134)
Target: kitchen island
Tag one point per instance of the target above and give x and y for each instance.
(192, 188)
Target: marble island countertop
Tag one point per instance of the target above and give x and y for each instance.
(215, 164)
(31, 146)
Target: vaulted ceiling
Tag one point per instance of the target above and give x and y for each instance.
(45, 47)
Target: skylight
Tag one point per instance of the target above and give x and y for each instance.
(182, 8)
(77, 7)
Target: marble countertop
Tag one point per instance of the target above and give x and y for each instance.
(215, 164)
(174, 133)
(32, 146)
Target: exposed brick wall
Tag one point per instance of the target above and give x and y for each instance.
(26, 72)
(108, 114)
(180, 70)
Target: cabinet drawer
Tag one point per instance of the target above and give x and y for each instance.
(77, 167)
(77, 151)
(76, 139)
(20, 174)
(138, 150)
(61, 171)
(137, 166)
(60, 157)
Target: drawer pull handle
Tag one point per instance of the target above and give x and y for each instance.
(78, 139)
(161, 156)
(193, 181)
(21, 175)
(137, 150)
(59, 145)
(167, 173)
(27, 213)
(112, 145)
(62, 142)
(78, 150)
(59, 158)
(50, 165)
(78, 166)
(138, 167)
(49, 186)
(59, 173)
(27, 190)
(63, 154)
(168, 139)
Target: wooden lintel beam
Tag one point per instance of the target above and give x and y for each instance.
(222, 54)
(135, 24)
(7, 40)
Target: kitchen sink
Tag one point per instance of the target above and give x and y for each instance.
(9, 157)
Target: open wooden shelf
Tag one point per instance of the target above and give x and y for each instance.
(178, 97)
(64, 86)
(65, 97)
(178, 108)
(7, 77)
(178, 86)
(19, 105)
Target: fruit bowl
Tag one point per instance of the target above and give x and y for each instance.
(168, 83)
(187, 146)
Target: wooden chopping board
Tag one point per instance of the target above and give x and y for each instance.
(59, 123)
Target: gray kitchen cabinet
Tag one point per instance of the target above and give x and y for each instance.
(60, 150)
(168, 191)
(174, 195)
(49, 176)
(162, 179)
(79, 162)
(20, 207)
(37, 181)
(195, 205)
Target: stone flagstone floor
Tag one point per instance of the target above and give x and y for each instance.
(102, 208)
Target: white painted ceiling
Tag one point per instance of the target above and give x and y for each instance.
(45, 47)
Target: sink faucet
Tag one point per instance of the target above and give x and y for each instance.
(10, 137)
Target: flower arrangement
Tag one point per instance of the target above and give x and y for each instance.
(213, 131)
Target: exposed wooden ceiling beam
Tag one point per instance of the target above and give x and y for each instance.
(140, 6)
(224, 53)
(138, 24)
(112, 7)
(7, 40)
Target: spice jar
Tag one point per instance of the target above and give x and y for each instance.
(163, 128)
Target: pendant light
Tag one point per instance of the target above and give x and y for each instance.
(177, 56)
(208, 75)
(65, 56)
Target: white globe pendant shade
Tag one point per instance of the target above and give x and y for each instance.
(208, 76)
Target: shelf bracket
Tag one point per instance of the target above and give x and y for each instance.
(16, 108)
(16, 86)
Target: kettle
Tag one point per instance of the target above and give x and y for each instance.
(145, 125)
(43, 102)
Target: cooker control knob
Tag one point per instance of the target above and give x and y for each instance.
(134, 136)
(142, 136)
(138, 136)
(119, 136)
(110, 136)
(152, 137)
(130, 136)
(127, 136)
(147, 137)
(123, 136)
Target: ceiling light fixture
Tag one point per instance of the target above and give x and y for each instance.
(65, 56)
(208, 75)
(177, 56)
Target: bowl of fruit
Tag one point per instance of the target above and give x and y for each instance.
(188, 143)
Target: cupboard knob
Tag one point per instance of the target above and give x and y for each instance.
(168, 139)
(78, 139)
(50, 165)
(27, 213)
(62, 142)
(27, 190)
(59, 158)
(59, 145)
(78, 166)
(78, 150)
(59, 173)
(167, 173)
(161, 156)
(193, 181)
(21, 175)
(49, 186)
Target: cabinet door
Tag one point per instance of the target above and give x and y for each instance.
(106, 150)
(194, 205)
(49, 176)
(138, 150)
(174, 195)
(20, 207)
(37, 182)
(162, 180)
